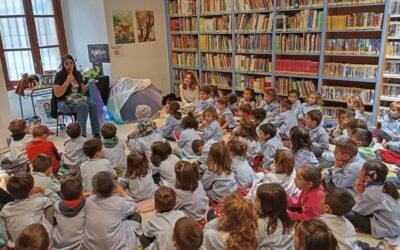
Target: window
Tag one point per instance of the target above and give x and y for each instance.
(32, 37)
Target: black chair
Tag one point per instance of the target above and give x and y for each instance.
(55, 113)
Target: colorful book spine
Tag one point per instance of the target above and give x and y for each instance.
(252, 63)
(253, 5)
(183, 24)
(215, 6)
(187, 42)
(394, 29)
(356, 21)
(391, 90)
(294, 4)
(394, 7)
(343, 93)
(383, 113)
(305, 20)
(360, 71)
(258, 83)
(392, 67)
(285, 84)
(393, 48)
(217, 78)
(331, 113)
(290, 66)
(216, 24)
(216, 43)
(293, 43)
(216, 61)
(347, 2)
(182, 7)
(254, 22)
(254, 43)
(184, 59)
(353, 46)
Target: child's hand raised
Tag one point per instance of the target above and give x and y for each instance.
(359, 186)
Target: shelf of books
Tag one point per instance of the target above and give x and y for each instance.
(332, 46)
(390, 89)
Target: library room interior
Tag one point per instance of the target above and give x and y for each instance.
(283, 117)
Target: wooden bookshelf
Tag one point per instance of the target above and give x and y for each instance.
(259, 45)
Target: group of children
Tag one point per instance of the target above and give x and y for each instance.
(245, 189)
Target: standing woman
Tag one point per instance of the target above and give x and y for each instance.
(189, 90)
(68, 80)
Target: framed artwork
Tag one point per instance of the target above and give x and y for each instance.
(123, 27)
(145, 26)
(99, 53)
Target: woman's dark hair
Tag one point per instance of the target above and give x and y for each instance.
(174, 109)
(160, 152)
(137, 165)
(378, 171)
(63, 59)
(300, 139)
(252, 93)
(273, 204)
(189, 121)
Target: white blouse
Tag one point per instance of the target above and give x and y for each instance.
(188, 95)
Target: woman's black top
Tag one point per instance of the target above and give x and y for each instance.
(60, 78)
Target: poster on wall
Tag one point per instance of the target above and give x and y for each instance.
(99, 53)
(145, 26)
(123, 27)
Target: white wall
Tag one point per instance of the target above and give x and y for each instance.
(140, 60)
(84, 23)
(5, 116)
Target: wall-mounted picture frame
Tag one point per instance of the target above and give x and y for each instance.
(99, 53)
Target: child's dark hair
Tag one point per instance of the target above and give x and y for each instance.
(284, 162)
(259, 114)
(41, 163)
(71, 188)
(315, 115)
(218, 160)
(196, 146)
(339, 200)
(103, 184)
(108, 130)
(223, 100)
(362, 135)
(137, 165)
(20, 185)
(300, 139)
(174, 110)
(271, 93)
(245, 108)
(314, 234)
(347, 146)
(17, 126)
(252, 94)
(232, 98)
(188, 234)
(237, 148)
(187, 175)
(214, 91)
(286, 104)
(33, 237)
(160, 152)
(378, 171)
(189, 121)
(294, 91)
(164, 199)
(206, 89)
(268, 129)
(356, 123)
(311, 174)
(273, 204)
(348, 112)
(74, 130)
(91, 147)
(211, 111)
(248, 129)
(40, 130)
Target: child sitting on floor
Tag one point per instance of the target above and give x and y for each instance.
(20, 139)
(211, 127)
(313, 101)
(43, 175)
(173, 122)
(187, 234)
(363, 139)
(314, 234)
(258, 116)
(163, 163)
(270, 104)
(114, 149)
(93, 149)
(270, 142)
(244, 111)
(188, 135)
(356, 103)
(249, 97)
(318, 135)
(226, 113)
(73, 155)
(40, 145)
(206, 101)
(344, 117)
(233, 105)
(301, 147)
(70, 215)
(293, 97)
(308, 180)
(246, 133)
(285, 120)
(157, 234)
(22, 212)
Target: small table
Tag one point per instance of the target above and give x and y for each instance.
(32, 93)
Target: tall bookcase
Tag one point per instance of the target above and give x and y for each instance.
(390, 87)
(333, 46)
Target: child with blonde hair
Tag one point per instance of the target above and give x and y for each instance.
(219, 179)
(246, 133)
(20, 138)
(390, 130)
(356, 103)
(313, 101)
(236, 227)
(211, 127)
